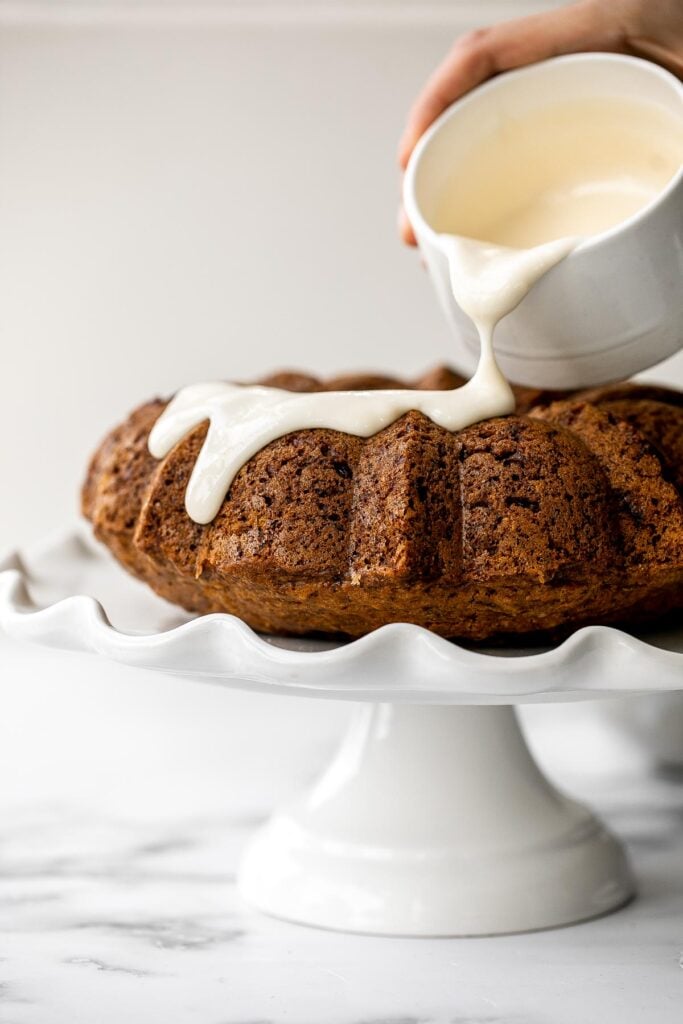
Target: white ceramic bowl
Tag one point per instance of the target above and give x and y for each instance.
(614, 306)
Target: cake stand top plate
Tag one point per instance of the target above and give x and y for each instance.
(69, 594)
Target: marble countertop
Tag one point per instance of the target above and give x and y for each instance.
(126, 800)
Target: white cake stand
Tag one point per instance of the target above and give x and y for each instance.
(433, 818)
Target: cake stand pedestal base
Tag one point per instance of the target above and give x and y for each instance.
(434, 820)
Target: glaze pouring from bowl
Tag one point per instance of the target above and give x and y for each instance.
(588, 147)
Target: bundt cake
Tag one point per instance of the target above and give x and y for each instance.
(568, 513)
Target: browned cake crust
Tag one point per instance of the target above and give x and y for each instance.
(569, 512)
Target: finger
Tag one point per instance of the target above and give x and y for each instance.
(581, 27)
(655, 31)
(463, 69)
(405, 228)
(486, 52)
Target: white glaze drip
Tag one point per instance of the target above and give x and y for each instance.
(242, 420)
(489, 281)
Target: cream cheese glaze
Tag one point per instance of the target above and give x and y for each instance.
(569, 168)
(242, 420)
(514, 211)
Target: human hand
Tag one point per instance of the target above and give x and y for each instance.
(645, 28)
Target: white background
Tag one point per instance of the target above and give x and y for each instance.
(192, 191)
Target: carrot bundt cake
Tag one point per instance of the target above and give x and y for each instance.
(566, 513)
